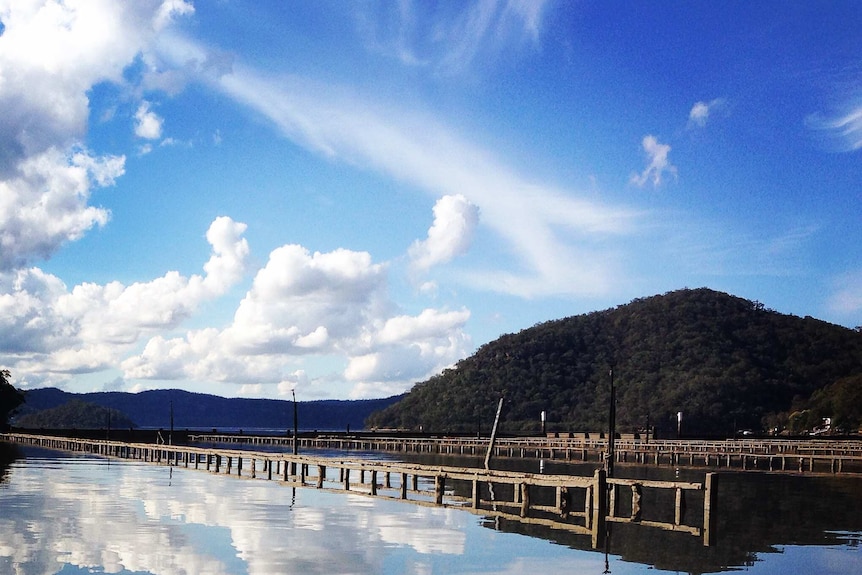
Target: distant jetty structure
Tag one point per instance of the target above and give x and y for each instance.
(771, 455)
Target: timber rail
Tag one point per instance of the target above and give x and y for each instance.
(775, 455)
(581, 504)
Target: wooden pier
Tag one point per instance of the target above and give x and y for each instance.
(581, 504)
(773, 455)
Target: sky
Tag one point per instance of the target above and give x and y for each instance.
(340, 199)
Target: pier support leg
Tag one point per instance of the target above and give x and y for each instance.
(637, 494)
(439, 487)
(710, 508)
(599, 509)
(525, 499)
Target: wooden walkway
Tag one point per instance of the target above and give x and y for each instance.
(775, 455)
(583, 505)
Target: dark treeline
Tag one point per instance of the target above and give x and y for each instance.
(153, 409)
(725, 362)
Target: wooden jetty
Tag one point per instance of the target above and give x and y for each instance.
(581, 504)
(774, 455)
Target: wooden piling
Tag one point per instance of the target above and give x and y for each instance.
(599, 508)
(710, 508)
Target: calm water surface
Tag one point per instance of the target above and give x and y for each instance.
(63, 514)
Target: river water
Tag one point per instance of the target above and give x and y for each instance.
(64, 514)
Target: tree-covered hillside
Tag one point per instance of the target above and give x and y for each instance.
(76, 414)
(725, 362)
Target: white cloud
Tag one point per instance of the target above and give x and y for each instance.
(846, 295)
(452, 39)
(51, 55)
(537, 221)
(455, 219)
(659, 164)
(701, 111)
(312, 304)
(46, 203)
(148, 124)
(845, 129)
(49, 329)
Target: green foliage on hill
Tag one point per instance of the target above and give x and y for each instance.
(727, 363)
(10, 397)
(840, 402)
(75, 414)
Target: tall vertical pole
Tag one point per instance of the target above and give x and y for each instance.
(171, 434)
(493, 434)
(612, 424)
(295, 425)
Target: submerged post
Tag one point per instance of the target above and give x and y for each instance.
(493, 434)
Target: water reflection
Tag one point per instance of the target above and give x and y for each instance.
(80, 514)
(125, 517)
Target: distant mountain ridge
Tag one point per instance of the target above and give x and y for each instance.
(724, 362)
(199, 410)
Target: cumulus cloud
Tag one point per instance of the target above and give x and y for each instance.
(46, 328)
(148, 124)
(45, 204)
(701, 111)
(51, 55)
(312, 304)
(455, 219)
(658, 163)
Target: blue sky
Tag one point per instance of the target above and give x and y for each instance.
(339, 199)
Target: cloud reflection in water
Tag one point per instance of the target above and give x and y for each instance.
(125, 517)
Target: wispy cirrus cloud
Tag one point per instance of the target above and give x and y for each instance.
(450, 38)
(846, 297)
(845, 130)
(535, 219)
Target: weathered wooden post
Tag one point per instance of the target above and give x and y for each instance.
(710, 508)
(612, 427)
(525, 499)
(493, 434)
(321, 475)
(439, 487)
(599, 509)
(403, 486)
(637, 494)
(679, 507)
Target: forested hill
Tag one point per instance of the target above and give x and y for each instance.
(198, 410)
(725, 362)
